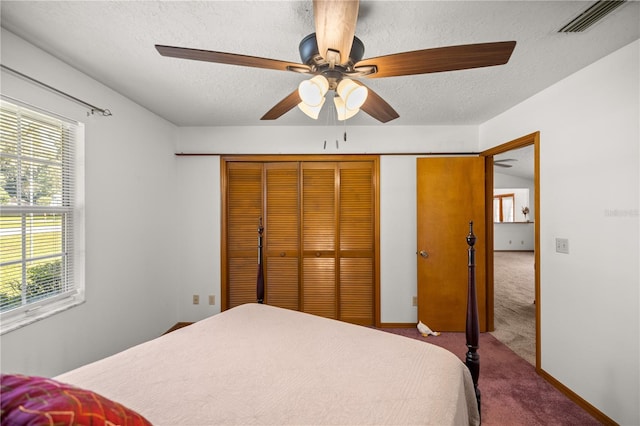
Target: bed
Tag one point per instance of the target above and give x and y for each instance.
(259, 364)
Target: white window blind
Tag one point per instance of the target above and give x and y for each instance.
(37, 217)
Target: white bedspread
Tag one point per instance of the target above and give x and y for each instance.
(256, 364)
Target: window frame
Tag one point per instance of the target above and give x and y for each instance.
(501, 216)
(72, 215)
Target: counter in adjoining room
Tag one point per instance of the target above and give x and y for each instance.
(513, 236)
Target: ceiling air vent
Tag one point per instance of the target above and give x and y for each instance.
(592, 15)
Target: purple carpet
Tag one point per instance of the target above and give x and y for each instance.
(511, 390)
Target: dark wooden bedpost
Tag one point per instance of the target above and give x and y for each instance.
(260, 283)
(473, 329)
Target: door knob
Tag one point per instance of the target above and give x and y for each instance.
(423, 254)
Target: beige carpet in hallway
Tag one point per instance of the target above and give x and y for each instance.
(514, 307)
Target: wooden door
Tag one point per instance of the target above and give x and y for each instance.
(338, 220)
(243, 211)
(356, 242)
(319, 239)
(282, 234)
(320, 235)
(450, 194)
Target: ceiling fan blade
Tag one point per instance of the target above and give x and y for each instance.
(377, 107)
(230, 58)
(284, 106)
(440, 59)
(335, 22)
(502, 165)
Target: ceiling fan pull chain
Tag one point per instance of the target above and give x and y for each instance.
(325, 144)
(345, 129)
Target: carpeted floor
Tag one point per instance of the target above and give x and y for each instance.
(512, 392)
(514, 307)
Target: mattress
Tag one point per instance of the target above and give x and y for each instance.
(258, 364)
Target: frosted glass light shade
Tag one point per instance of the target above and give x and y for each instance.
(312, 91)
(353, 94)
(341, 109)
(311, 111)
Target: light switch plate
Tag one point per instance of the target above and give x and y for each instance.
(562, 245)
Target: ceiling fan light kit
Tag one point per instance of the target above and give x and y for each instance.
(312, 91)
(350, 96)
(342, 111)
(333, 55)
(354, 95)
(312, 111)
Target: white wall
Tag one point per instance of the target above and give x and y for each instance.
(589, 193)
(515, 236)
(501, 180)
(310, 140)
(398, 239)
(199, 256)
(200, 187)
(131, 233)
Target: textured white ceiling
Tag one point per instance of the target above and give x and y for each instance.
(113, 42)
(521, 161)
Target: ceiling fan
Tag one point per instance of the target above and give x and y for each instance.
(500, 163)
(333, 56)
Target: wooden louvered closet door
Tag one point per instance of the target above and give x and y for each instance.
(319, 238)
(356, 243)
(282, 235)
(243, 210)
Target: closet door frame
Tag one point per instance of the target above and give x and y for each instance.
(226, 159)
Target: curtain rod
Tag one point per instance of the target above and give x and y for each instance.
(93, 108)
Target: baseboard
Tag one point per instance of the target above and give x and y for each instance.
(177, 326)
(397, 324)
(599, 415)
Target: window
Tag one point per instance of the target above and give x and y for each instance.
(503, 208)
(41, 232)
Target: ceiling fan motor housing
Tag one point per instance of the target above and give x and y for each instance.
(310, 55)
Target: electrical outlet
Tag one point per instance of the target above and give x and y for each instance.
(415, 301)
(196, 299)
(562, 245)
(212, 299)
